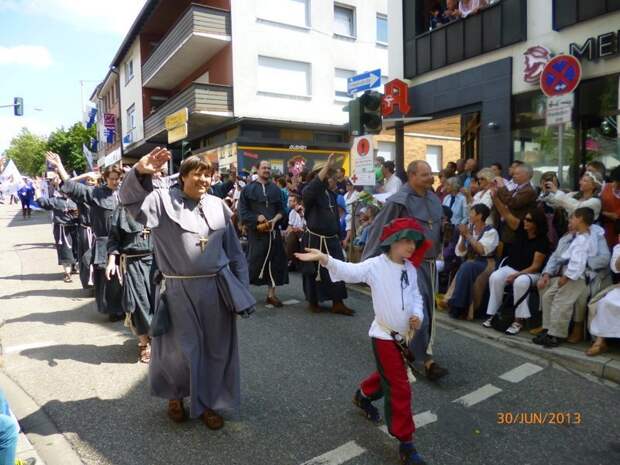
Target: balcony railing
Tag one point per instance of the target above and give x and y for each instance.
(569, 12)
(208, 100)
(500, 25)
(198, 35)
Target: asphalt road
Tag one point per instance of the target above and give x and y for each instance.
(299, 372)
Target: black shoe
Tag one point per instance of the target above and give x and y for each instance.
(409, 455)
(116, 317)
(540, 337)
(551, 341)
(435, 372)
(364, 403)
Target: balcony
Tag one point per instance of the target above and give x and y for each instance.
(569, 12)
(207, 104)
(498, 26)
(195, 38)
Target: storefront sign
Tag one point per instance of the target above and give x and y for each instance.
(363, 162)
(177, 134)
(395, 95)
(560, 76)
(226, 156)
(560, 109)
(604, 46)
(109, 120)
(535, 58)
(286, 160)
(298, 147)
(176, 119)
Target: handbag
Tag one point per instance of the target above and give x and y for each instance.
(505, 315)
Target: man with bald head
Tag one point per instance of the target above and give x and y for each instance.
(416, 199)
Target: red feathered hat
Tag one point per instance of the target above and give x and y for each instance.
(408, 228)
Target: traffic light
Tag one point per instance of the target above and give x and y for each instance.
(186, 149)
(370, 118)
(355, 113)
(18, 106)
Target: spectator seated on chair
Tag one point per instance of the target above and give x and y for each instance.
(477, 244)
(521, 266)
(569, 283)
(604, 318)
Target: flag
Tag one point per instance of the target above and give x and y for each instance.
(92, 115)
(128, 139)
(109, 135)
(94, 143)
(88, 155)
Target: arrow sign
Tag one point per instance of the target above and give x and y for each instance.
(364, 81)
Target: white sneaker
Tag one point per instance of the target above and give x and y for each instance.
(514, 329)
(487, 322)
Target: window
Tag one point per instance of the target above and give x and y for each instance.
(344, 21)
(434, 155)
(340, 83)
(131, 117)
(128, 71)
(284, 77)
(386, 150)
(292, 12)
(382, 29)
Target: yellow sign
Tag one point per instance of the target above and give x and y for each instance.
(177, 134)
(176, 119)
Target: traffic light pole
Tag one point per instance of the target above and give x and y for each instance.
(399, 156)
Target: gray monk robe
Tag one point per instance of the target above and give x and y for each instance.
(206, 284)
(132, 243)
(266, 254)
(428, 212)
(103, 201)
(84, 244)
(65, 232)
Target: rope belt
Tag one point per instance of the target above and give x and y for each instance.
(322, 248)
(125, 256)
(184, 277)
(262, 269)
(63, 239)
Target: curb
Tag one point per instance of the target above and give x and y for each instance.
(601, 366)
(48, 443)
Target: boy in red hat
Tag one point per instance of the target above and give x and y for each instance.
(397, 316)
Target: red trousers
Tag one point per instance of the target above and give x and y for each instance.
(390, 381)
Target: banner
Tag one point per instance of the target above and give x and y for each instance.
(88, 155)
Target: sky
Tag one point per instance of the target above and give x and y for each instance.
(46, 48)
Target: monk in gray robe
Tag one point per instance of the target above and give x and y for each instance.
(205, 286)
(103, 201)
(417, 200)
(130, 259)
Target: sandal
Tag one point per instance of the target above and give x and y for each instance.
(67, 278)
(597, 349)
(144, 353)
(212, 420)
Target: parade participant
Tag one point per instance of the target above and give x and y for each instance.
(103, 201)
(397, 315)
(85, 234)
(205, 286)
(130, 257)
(26, 196)
(260, 210)
(65, 230)
(417, 200)
(323, 233)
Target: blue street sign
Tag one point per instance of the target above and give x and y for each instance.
(364, 81)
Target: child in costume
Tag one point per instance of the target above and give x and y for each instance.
(398, 311)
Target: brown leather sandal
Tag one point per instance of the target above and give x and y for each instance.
(176, 411)
(144, 353)
(212, 420)
(597, 349)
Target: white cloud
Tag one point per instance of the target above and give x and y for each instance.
(12, 126)
(115, 16)
(31, 55)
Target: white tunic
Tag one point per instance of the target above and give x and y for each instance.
(606, 323)
(392, 307)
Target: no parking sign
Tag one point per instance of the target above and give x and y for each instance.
(363, 161)
(561, 76)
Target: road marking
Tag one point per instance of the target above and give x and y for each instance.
(291, 302)
(35, 345)
(269, 306)
(518, 374)
(420, 420)
(478, 395)
(340, 455)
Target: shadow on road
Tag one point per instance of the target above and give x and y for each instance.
(84, 314)
(66, 293)
(35, 245)
(38, 217)
(35, 277)
(86, 353)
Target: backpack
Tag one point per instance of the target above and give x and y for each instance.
(506, 314)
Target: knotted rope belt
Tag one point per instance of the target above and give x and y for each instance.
(123, 262)
(322, 248)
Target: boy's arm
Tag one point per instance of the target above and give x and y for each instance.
(349, 272)
(418, 301)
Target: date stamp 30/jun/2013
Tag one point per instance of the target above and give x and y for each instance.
(539, 418)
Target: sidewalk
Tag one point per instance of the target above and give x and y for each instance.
(571, 356)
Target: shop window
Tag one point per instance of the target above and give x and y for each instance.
(327, 137)
(434, 156)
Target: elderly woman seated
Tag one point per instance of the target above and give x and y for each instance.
(477, 243)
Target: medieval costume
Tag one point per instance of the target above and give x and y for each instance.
(103, 201)
(205, 285)
(65, 229)
(132, 243)
(322, 233)
(84, 244)
(266, 255)
(428, 212)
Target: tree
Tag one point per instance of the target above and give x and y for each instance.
(68, 144)
(27, 150)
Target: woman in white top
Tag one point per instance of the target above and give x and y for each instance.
(590, 185)
(605, 311)
(485, 179)
(471, 7)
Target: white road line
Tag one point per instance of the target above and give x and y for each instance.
(478, 395)
(269, 306)
(35, 345)
(340, 455)
(291, 302)
(420, 420)
(518, 374)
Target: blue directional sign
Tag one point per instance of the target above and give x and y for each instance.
(364, 81)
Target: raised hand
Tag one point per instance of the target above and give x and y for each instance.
(153, 161)
(312, 255)
(53, 159)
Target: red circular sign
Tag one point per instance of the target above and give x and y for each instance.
(363, 147)
(560, 76)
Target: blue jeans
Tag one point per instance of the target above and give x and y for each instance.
(8, 434)
(463, 289)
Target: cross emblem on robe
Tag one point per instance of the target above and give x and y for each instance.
(146, 232)
(202, 243)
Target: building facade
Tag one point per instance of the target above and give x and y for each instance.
(260, 78)
(106, 98)
(486, 68)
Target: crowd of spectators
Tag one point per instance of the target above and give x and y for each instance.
(445, 12)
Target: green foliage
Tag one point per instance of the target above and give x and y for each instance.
(27, 150)
(68, 144)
